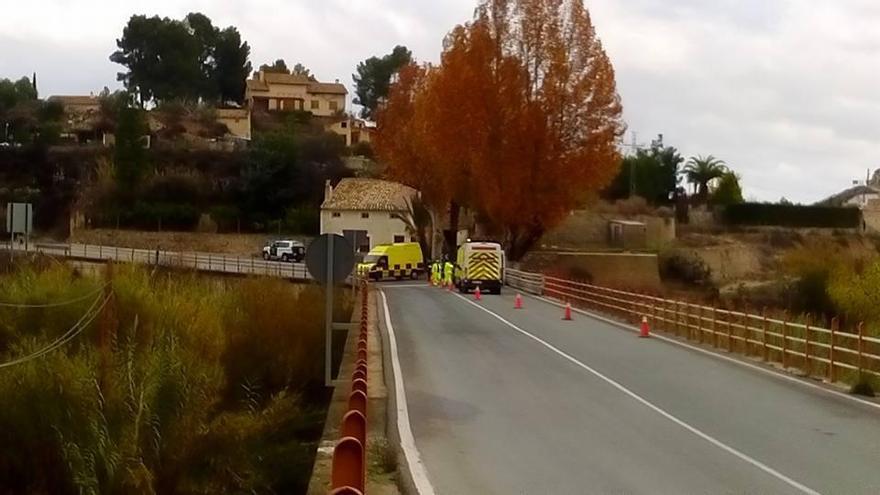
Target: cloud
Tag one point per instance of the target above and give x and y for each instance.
(783, 90)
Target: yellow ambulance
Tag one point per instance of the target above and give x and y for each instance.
(479, 264)
(399, 260)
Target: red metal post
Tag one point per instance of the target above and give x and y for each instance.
(354, 424)
(348, 464)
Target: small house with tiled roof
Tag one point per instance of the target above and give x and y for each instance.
(273, 91)
(82, 117)
(367, 211)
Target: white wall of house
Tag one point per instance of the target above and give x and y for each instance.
(861, 200)
(323, 103)
(380, 225)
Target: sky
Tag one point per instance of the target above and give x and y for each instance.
(784, 91)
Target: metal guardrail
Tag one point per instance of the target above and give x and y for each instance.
(206, 262)
(349, 469)
(831, 353)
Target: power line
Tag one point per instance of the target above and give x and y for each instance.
(85, 320)
(53, 305)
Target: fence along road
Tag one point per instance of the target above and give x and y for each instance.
(519, 401)
(204, 262)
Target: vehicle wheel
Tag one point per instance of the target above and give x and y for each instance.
(415, 275)
(266, 256)
(285, 258)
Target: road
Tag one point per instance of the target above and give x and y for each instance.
(521, 402)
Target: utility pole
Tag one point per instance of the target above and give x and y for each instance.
(632, 166)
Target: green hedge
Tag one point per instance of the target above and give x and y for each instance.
(792, 216)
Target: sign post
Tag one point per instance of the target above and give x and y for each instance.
(330, 259)
(328, 315)
(19, 220)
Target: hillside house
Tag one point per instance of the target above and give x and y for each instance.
(365, 212)
(237, 120)
(353, 130)
(82, 117)
(271, 91)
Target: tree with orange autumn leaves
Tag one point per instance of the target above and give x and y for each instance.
(518, 122)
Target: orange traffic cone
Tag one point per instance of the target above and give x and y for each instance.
(517, 303)
(644, 331)
(567, 316)
(477, 295)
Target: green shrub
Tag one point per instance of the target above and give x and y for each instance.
(304, 220)
(811, 265)
(383, 454)
(171, 216)
(862, 387)
(728, 190)
(788, 215)
(226, 216)
(689, 269)
(140, 401)
(856, 294)
(174, 187)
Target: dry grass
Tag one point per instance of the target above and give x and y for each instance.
(185, 384)
(241, 244)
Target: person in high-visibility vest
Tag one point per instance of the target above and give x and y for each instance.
(447, 273)
(435, 273)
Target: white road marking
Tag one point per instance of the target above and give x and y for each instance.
(718, 443)
(406, 286)
(407, 441)
(782, 375)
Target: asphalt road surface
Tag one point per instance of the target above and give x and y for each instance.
(521, 402)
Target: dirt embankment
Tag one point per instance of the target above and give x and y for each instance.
(242, 244)
(636, 271)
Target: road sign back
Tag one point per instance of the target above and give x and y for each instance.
(342, 254)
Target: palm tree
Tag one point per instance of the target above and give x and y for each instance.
(700, 171)
(417, 218)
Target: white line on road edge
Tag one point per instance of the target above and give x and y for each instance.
(772, 372)
(718, 443)
(407, 441)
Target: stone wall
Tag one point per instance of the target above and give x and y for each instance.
(585, 229)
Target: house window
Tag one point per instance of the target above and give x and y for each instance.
(399, 238)
(365, 214)
(315, 104)
(344, 124)
(334, 105)
(336, 214)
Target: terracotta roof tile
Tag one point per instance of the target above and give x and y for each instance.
(327, 88)
(257, 85)
(76, 100)
(369, 195)
(279, 78)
